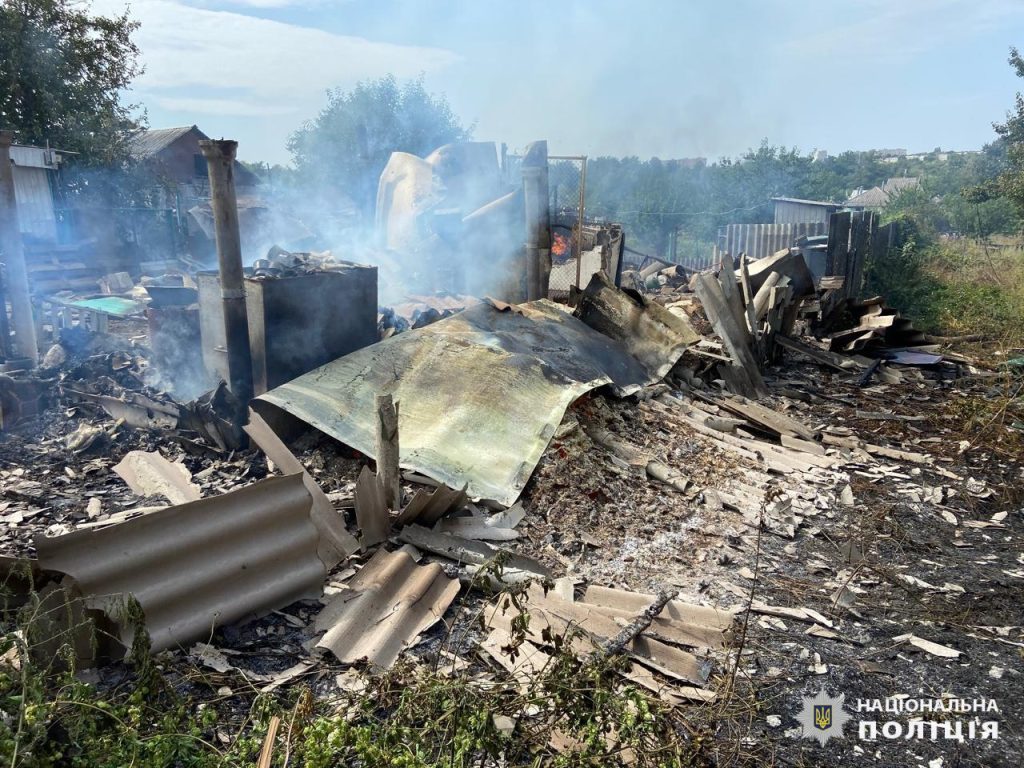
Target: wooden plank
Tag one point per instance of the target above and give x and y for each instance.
(386, 439)
(730, 290)
(748, 299)
(838, 245)
(824, 357)
(860, 237)
(710, 294)
(766, 418)
(760, 303)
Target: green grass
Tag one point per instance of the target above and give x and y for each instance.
(165, 712)
(955, 288)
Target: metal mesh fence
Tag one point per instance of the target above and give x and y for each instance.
(567, 179)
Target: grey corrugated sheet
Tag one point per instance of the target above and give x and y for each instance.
(481, 392)
(35, 202)
(198, 565)
(388, 603)
(760, 240)
(25, 156)
(148, 143)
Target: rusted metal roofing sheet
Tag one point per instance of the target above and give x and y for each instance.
(388, 603)
(199, 565)
(481, 392)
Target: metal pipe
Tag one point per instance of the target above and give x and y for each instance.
(13, 254)
(579, 231)
(220, 160)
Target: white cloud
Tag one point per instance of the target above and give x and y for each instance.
(261, 64)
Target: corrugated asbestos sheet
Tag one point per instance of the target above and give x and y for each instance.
(35, 202)
(388, 603)
(760, 240)
(198, 565)
(481, 392)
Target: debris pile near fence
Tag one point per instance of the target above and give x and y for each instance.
(442, 441)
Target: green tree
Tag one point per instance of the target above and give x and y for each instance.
(344, 150)
(62, 73)
(1010, 183)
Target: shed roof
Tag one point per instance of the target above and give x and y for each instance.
(35, 157)
(146, 144)
(805, 202)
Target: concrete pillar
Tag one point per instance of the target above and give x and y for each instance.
(220, 159)
(538, 224)
(12, 253)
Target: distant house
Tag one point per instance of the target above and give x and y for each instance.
(174, 158)
(792, 210)
(180, 182)
(878, 197)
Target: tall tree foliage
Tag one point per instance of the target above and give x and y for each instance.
(347, 146)
(62, 74)
(1010, 183)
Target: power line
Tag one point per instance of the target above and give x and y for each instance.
(686, 213)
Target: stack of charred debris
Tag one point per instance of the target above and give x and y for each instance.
(449, 413)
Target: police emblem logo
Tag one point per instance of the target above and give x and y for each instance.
(822, 716)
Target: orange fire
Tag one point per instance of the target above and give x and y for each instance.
(560, 245)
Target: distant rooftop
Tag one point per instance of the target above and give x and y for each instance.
(899, 183)
(878, 197)
(805, 202)
(145, 144)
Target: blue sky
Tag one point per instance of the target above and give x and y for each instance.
(595, 77)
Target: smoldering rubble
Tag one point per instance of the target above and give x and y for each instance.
(744, 471)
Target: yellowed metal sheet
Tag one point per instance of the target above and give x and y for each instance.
(481, 392)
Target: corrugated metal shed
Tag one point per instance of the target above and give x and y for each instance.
(760, 240)
(792, 210)
(199, 565)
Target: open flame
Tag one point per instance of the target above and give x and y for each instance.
(559, 245)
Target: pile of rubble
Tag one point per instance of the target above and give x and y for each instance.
(624, 455)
